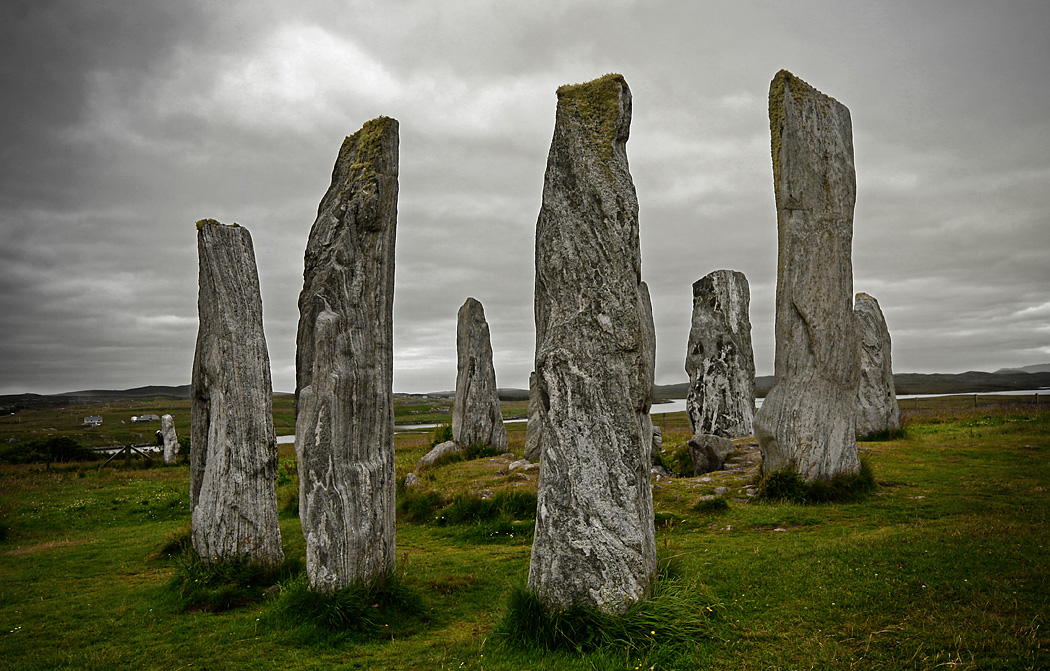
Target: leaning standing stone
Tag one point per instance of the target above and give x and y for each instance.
(476, 417)
(233, 464)
(595, 346)
(719, 360)
(344, 354)
(171, 441)
(807, 421)
(877, 410)
(534, 427)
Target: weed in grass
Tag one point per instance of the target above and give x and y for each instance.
(199, 585)
(787, 485)
(379, 610)
(177, 544)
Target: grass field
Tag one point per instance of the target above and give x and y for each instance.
(945, 567)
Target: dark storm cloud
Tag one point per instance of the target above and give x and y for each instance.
(124, 123)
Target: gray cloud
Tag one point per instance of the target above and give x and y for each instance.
(125, 123)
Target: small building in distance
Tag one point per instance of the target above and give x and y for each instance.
(93, 420)
(144, 418)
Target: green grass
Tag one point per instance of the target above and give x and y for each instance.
(944, 566)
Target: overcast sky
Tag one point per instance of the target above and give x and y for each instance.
(125, 122)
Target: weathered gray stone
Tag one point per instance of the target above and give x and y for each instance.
(476, 417)
(595, 347)
(438, 451)
(344, 367)
(719, 361)
(233, 464)
(411, 480)
(807, 421)
(877, 410)
(171, 441)
(709, 452)
(658, 445)
(534, 427)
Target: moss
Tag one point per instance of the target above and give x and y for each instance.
(360, 152)
(597, 103)
(211, 222)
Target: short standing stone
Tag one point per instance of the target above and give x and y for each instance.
(658, 444)
(476, 417)
(594, 544)
(534, 427)
(233, 464)
(720, 362)
(344, 367)
(171, 441)
(877, 410)
(807, 421)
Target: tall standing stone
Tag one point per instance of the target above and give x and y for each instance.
(344, 367)
(595, 351)
(719, 360)
(171, 441)
(877, 410)
(807, 421)
(534, 427)
(233, 464)
(476, 417)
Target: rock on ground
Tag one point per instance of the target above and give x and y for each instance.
(438, 451)
(709, 452)
(877, 409)
(171, 441)
(344, 367)
(476, 417)
(595, 347)
(233, 464)
(719, 361)
(807, 421)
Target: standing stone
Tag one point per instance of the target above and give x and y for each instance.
(344, 367)
(476, 417)
(719, 361)
(534, 427)
(595, 353)
(233, 464)
(171, 441)
(877, 410)
(807, 421)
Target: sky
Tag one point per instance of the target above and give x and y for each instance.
(123, 123)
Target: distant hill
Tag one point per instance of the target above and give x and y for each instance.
(1037, 368)
(151, 391)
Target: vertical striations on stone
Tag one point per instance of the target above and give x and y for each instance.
(595, 346)
(719, 360)
(344, 367)
(877, 410)
(534, 427)
(171, 441)
(233, 464)
(476, 417)
(807, 422)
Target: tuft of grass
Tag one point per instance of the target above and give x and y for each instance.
(177, 544)
(712, 506)
(787, 485)
(680, 461)
(201, 586)
(379, 610)
(679, 613)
